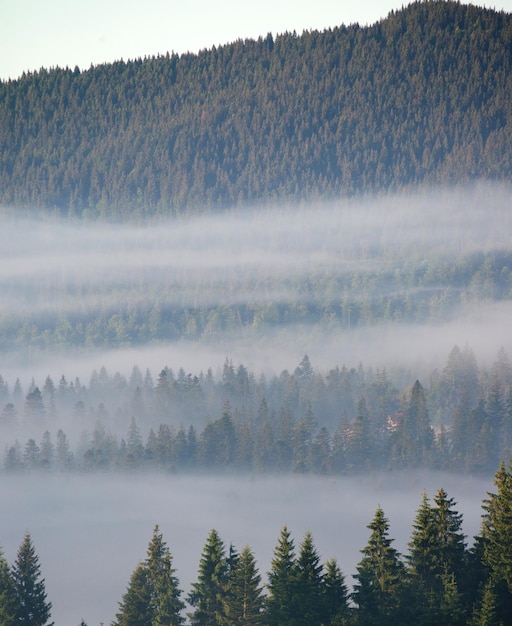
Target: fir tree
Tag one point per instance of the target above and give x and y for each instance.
(207, 595)
(282, 583)
(379, 586)
(335, 595)
(8, 600)
(310, 584)
(497, 527)
(153, 595)
(245, 602)
(166, 605)
(33, 609)
(134, 608)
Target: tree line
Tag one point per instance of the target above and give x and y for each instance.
(420, 97)
(439, 581)
(429, 287)
(344, 422)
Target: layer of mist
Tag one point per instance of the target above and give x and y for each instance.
(90, 534)
(259, 256)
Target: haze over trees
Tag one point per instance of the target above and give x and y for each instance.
(441, 580)
(419, 98)
(346, 190)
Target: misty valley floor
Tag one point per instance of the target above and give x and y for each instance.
(90, 532)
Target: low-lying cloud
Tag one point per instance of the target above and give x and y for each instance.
(90, 533)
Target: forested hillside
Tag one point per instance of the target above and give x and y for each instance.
(420, 98)
(344, 422)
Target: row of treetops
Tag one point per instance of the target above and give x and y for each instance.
(440, 581)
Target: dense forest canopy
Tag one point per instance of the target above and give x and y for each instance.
(420, 98)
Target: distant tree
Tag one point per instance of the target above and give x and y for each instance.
(34, 405)
(33, 609)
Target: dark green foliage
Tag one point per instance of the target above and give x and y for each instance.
(310, 601)
(8, 599)
(497, 527)
(436, 561)
(380, 579)
(419, 97)
(32, 606)
(282, 583)
(244, 597)
(336, 595)
(134, 608)
(207, 595)
(153, 595)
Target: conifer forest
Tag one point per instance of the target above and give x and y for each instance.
(278, 267)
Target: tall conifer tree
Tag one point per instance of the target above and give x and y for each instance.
(208, 593)
(379, 588)
(33, 607)
(8, 603)
(282, 583)
(245, 602)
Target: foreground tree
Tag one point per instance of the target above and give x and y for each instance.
(379, 587)
(282, 583)
(32, 606)
(310, 601)
(8, 602)
(153, 595)
(497, 548)
(134, 608)
(436, 561)
(245, 603)
(335, 595)
(497, 527)
(208, 593)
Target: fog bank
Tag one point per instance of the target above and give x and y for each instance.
(90, 533)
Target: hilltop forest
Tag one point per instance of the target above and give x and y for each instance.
(420, 98)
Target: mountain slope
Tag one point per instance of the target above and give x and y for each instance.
(422, 97)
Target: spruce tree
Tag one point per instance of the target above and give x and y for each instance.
(135, 606)
(436, 558)
(335, 595)
(310, 584)
(245, 602)
(282, 583)
(379, 587)
(33, 609)
(166, 604)
(497, 527)
(153, 595)
(207, 595)
(8, 602)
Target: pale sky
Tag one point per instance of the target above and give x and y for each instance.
(50, 33)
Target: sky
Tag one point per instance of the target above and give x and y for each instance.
(69, 33)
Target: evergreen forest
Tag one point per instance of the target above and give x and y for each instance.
(287, 257)
(420, 98)
(440, 580)
(345, 422)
